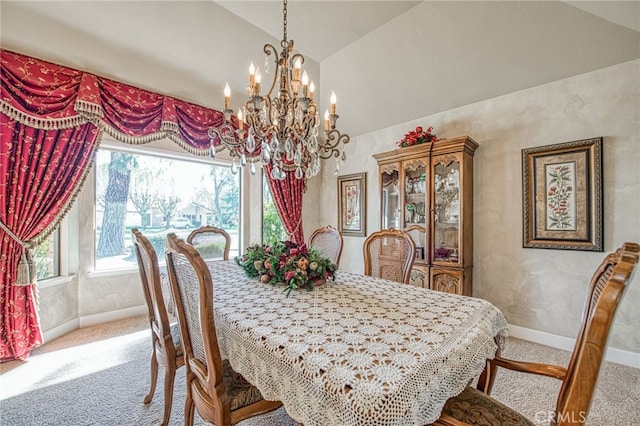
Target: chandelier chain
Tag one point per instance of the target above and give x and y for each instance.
(284, 20)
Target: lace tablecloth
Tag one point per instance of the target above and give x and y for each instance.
(357, 351)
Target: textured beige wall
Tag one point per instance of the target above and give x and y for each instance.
(538, 289)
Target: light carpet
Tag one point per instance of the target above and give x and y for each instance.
(99, 376)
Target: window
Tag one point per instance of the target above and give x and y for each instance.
(159, 195)
(272, 228)
(46, 257)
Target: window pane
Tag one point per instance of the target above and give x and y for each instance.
(272, 228)
(159, 195)
(46, 257)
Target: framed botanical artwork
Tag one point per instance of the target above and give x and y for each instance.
(562, 196)
(352, 204)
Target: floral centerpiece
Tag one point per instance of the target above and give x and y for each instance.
(418, 136)
(286, 262)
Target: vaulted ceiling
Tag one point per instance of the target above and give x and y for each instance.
(189, 49)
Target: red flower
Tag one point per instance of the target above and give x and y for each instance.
(418, 136)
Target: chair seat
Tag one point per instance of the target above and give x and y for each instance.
(241, 393)
(477, 408)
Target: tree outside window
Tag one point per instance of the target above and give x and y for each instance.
(159, 195)
(272, 228)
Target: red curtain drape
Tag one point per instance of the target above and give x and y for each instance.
(41, 172)
(287, 195)
(51, 120)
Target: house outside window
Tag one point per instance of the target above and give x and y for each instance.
(159, 195)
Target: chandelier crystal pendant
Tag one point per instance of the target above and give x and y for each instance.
(282, 126)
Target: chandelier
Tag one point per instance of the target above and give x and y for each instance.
(281, 127)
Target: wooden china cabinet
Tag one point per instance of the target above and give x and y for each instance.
(427, 190)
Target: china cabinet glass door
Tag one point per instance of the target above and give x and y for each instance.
(390, 197)
(446, 212)
(415, 181)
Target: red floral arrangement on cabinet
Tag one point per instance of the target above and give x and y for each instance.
(418, 136)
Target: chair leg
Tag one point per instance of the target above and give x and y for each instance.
(189, 410)
(169, 376)
(154, 375)
(488, 376)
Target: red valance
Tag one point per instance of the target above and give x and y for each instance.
(49, 96)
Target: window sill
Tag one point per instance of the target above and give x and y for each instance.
(55, 281)
(112, 272)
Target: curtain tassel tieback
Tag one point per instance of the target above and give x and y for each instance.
(26, 269)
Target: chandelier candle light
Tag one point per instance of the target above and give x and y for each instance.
(285, 126)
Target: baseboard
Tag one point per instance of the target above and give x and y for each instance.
(89, 320)
(619, 356)
(61, 330)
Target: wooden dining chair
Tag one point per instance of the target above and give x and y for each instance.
(328, 241)
(220, 395)
(165, 337)
(389, 254)
(211, 242)
(578, 378)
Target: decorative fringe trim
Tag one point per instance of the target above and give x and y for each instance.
(175, 138)
(169, 126)
(88, 109)
(41, 123)
(121, 137)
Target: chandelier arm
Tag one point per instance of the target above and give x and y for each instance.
(293, 58)
(230, 139)
(269, 50)
(305, 129)
(329, 148)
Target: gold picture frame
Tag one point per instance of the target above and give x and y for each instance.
(562, 196)
(352, 204)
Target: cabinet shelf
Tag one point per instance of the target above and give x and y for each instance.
(416, 196)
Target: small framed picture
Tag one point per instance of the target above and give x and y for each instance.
(352, 204)
(562, 196)
(419, 253)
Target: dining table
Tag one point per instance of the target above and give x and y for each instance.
(355, 351)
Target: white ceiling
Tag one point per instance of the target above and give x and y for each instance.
(319, 28)
(189, 49)
(336, 24)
